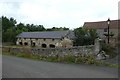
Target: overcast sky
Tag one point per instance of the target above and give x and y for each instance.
(59, 13)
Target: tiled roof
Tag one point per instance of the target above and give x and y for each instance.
(102, 24)
(45, 34)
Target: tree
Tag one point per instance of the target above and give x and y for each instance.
(84, 36)
(20, 26)
(93, 35)
(8, 27)
(7, 23)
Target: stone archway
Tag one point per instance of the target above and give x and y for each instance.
(33, 44)
(25, 43)
(44, 45)
(52, 46)
(20, 43)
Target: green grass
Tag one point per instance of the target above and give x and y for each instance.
(111, 65)
(66, 59)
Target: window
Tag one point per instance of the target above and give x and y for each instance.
(53, 39)
(44, 39)
(20, 43)
(33, 44)
(25, 43)
(44, 45)
(52, 46)
(105, 30)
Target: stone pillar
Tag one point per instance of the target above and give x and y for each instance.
(97, 46)
(17, 43)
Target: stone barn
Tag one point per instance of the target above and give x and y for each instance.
(46, 39)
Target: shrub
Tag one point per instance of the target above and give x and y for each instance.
(36, 57)
(23, 55)
(60, 59)
(90, 59)
(69, 58)
(52, 58)
(79, 60)
(109, 50)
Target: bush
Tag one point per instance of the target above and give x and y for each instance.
(86, 59)
(52, 59)
(60, 59)
(109, 50)
(90, 59)
(23, 55)
(69, 58)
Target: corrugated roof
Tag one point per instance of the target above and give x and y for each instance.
(45, 34)
(102, 24)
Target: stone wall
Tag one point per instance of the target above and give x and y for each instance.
(53, 51)
(47, 42)
(64, 51)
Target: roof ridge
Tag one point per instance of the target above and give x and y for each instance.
(49, 31)
(44, 34)
(100, 21)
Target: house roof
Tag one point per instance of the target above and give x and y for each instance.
(102, 24)
(45, 34)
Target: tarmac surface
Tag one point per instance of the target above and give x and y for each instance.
(14, 67)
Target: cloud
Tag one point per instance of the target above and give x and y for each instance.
(59, 13)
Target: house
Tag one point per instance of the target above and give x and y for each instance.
(102, 28)
(46, 39)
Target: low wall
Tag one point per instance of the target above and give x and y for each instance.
(52, 51)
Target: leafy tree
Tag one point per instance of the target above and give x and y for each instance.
(57, 29)
(84, 36)
(93, 35)
(7, 23)
(20, 26)
(41, 28)
(10, 29)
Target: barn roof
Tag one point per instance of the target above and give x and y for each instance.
(46, 34)
(102, 24)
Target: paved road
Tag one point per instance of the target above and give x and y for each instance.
(14, 67)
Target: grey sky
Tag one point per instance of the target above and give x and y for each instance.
(59, 13)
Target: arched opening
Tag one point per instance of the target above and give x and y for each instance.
(33, 44)
(20, 43)
(44, 45)
(52, 46)
(25, 43)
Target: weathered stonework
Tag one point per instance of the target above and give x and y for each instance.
(46, 39)
(52, 51)
(38, 42)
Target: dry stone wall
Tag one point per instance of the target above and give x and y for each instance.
(53, 51)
